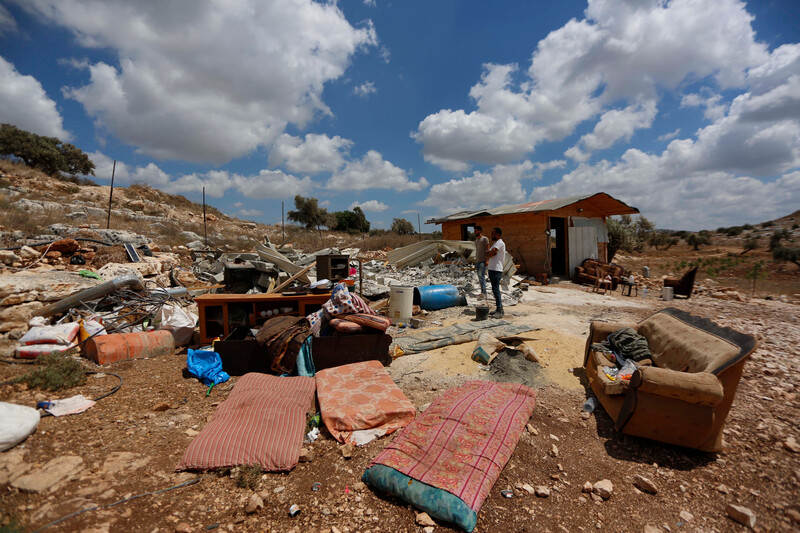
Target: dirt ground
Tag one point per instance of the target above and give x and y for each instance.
(128, 448)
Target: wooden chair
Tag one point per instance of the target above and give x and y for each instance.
(601, 282)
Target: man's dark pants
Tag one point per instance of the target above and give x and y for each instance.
(494, 278)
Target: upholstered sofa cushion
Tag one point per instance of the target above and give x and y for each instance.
(700, 388)
(676, 345)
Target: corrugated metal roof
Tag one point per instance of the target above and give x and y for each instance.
(612, 207)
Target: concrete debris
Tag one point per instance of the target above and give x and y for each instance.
(54, 473)
(423, 519)
(741, 514)
(645, 485)
(254, 504)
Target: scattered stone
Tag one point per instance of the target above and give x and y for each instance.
(334, 529)
(183, 527)
(554, 451)
(791, 444)
(117, 462)
(254, 504)
(587, 487)
(645, 485)
(527, 488)
(723, 488)
(530, 429)
(651, 529)
(191, 432)
(160, 407)
(553, 437)
(306, 455)
(65, 246)
(741, 514)
(53, 473)
(603, 488)
(424, 519)
(541, 491)
(686, 516)
(8, 257)
(428, 529)
(359, 486)
(793, 515)
(27, 253)
(278, 490)
(347, 451)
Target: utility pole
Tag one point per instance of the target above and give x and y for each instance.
(205, 231)
(419, 227)
(111, 195)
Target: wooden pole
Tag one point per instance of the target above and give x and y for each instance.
(283, 227)
(111, 195)
(291, 279)
(419, 227)
(205, 231)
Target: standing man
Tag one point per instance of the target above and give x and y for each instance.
(481, 249)
(497, 254)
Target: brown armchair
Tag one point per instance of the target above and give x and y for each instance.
(682, 286)
(588, 272)
(685, 396)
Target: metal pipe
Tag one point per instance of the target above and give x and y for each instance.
(92, 293)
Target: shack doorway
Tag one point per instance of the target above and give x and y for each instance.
(467, 232)
(558, 246)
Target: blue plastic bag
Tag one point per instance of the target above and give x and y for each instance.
(206, 366)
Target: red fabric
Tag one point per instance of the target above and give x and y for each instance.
(361, 396)
(345, 326)
(462, 441)
(261, 423)
(381, 323)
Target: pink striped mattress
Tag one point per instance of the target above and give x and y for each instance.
(261, 423)
(464, 439)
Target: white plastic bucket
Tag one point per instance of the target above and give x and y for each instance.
(666, 294)
(401, 302)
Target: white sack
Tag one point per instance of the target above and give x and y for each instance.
(16, 423)
(178, 321)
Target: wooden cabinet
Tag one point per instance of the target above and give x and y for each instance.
(333, 267)
(220, 313)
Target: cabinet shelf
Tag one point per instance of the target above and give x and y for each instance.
(221, 313)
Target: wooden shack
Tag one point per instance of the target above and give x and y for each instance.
(549, 236)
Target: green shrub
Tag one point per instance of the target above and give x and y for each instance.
(58, 371)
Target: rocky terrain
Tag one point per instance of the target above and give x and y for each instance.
(111, 468)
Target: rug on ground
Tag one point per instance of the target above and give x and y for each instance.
(447, 460)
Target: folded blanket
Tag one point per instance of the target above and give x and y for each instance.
(283, 336)
(360, 402)
(458, 445)
(341, 302)
(261, 423)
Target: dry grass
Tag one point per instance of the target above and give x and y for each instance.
(29, 223)
(20, 169)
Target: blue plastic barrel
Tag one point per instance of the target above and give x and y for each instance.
(433, 297)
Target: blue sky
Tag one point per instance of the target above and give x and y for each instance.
(686, 109)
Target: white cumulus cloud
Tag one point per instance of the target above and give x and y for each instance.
(373, 172)
(25, 104)
(207, 81)
(311, 155)
(370, 205)
(365, 89)
(611, 65)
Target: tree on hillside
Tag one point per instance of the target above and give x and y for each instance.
(48, 154)
(308, 212)
(402, 226)
(750, 244)
(351, 221)
(701, 238)
(660, 238)
(791, 255)
(776, 238)
(627, 234)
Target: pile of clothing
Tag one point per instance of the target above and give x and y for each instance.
(283, 338)
(346, 314)
(627, 349)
